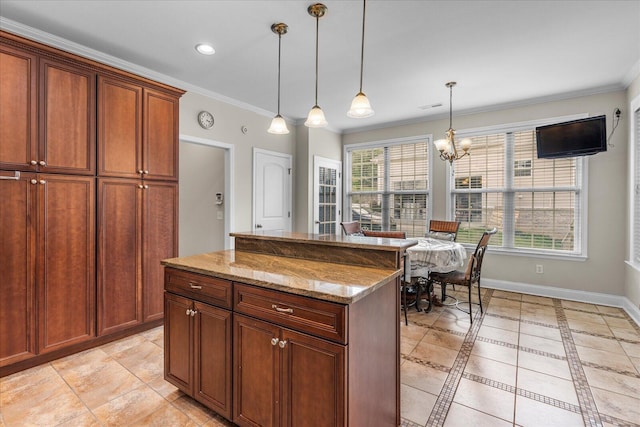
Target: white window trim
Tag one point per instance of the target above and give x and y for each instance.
(634, 162)
(582, 177)
(346, 173)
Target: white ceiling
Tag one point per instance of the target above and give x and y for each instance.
(501, 53)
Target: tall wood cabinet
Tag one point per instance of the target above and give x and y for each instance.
(48, 235)
(81, 239)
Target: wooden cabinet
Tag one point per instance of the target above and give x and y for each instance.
(17, 268)
(55, 131)
(137, 131)
(137, 228)
(198, 358)
(48, 245)
(286, 378)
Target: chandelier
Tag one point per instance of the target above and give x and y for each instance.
(447, 147)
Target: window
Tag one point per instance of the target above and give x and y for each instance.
(534, 203)
(388, 185)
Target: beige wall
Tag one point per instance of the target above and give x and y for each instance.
(227, 129)
(607, 180)
(201, 177)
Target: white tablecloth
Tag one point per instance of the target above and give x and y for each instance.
(430, 254)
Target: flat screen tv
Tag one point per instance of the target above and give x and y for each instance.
(580, 137)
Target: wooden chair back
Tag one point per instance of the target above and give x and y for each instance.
(445, 227)
(387, 234)
(351, 227)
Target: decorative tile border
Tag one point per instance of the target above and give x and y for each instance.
(586, 401)
(428, 363)
(445, 398)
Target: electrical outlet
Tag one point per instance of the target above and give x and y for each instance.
(539, 269)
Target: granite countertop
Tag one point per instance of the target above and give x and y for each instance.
(378, 243)
(322, 280)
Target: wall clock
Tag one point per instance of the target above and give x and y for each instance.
(205, 119)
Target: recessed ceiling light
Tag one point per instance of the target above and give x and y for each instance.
(205, 49)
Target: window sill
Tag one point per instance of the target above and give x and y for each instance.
(529, 254)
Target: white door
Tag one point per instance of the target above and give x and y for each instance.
(327, 199)
(271, 190)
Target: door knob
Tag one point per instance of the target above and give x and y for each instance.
(258, 225)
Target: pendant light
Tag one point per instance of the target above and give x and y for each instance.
(316, 119)
(360, 106)
(278, 125)
(447, 147)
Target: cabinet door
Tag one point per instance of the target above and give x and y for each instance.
(313, 381)
(66, 260)
(178, 339)
(67, 119)
(159, 241)
(18, 109)
(119, 128)
(17, 268)
(160, 136)
(119, 254)
(256, 382)
(212, 362)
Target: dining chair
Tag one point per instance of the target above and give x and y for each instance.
(469, 277)
(351, 227)
(445, 230)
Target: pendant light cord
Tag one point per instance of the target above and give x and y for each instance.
(451, 108)
(317, 25)
(364, 7)
(279, 48)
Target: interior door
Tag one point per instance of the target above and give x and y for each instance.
(327, 199)
(271, 190)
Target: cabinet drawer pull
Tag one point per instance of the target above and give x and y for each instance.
(282, 310)
(282, 343)
(194, 312)
(274, 341)
(192, 286)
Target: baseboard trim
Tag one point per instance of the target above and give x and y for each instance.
(568, 294)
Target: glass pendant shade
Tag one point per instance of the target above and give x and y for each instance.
(278, 126)
(360, 107)
(442, 145)
(316, 118)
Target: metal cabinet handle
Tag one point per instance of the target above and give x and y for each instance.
(194, 312)
(140, 171)
(192, 286)
(42, 163)
(282, 310)
(188, 311)
(42, 181)
(145, 186)
(140, 186)
(145, 172)
(274, 341)
(282, 343)
(34, 181)
(16, 176)
(33, 162)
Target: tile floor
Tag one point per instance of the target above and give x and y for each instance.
(528, 361)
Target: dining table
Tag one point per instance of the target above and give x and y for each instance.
(431, 255)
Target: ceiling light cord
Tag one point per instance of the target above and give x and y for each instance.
(279, 49)
(364, 9)
(317, 26)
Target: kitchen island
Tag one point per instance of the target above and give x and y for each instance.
(288, 329)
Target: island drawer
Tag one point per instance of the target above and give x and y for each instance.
(320, 318)
(199, 287)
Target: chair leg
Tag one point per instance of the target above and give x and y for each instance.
(479, 298)
(470, 307)
(443, 290)
(404, 302)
